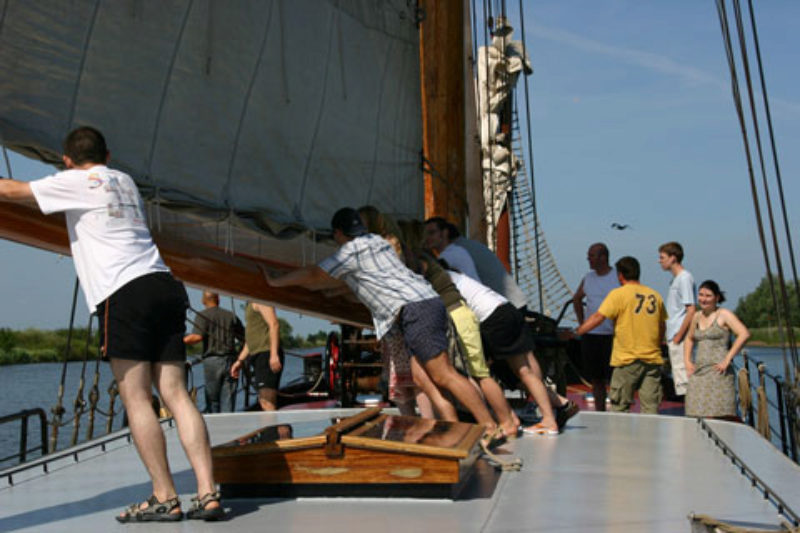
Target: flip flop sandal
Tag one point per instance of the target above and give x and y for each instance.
(200, 512)
(541, 430)
(155, 511)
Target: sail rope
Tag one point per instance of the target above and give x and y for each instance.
(782, 311)
(530, 159)
(58, 409)
(767, 195)
(8, 162)
(79, 404)
(776, 165)
(745, 396)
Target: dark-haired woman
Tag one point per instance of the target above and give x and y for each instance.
(711, 390)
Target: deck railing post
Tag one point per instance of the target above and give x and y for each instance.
(23, 438)
(779, 387)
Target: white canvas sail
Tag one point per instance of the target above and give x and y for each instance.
(240, 121)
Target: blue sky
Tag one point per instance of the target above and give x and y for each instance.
(633, 122)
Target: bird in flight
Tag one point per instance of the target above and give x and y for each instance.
(619, 226)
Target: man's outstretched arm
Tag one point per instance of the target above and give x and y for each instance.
(18, 192)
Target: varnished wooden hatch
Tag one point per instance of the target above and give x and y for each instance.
(368, 454)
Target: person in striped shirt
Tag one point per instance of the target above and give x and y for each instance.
(396, 297)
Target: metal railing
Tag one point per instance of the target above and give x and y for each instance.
(23, 417)
(776, 390)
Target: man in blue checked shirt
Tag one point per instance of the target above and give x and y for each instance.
(396, 297)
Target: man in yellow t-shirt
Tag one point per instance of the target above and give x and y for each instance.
(638, 314)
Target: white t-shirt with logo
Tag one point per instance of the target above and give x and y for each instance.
(110, 241)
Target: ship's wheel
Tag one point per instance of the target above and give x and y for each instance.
(332, 356)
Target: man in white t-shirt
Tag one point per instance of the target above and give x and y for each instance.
(596, 346)
(680, 309)
(141, 308)
(445, 238)
(437, 238)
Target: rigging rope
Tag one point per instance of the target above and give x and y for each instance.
(723, 18)
(767, 196)
(79, 405)
(745, 397)
(58, 409)
(778, 178)
(530, 159)
(8, 162)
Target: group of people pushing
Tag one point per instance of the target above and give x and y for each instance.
(415, 298)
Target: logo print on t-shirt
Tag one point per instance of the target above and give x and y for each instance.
(125, 203)
(95, 181)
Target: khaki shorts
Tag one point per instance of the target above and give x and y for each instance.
(469, 334)
(644, 377)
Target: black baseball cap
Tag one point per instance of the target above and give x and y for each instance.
(348, 221)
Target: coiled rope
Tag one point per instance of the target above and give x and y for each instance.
(745, 396)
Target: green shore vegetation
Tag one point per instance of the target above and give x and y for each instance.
(50, 346)
(757, 311)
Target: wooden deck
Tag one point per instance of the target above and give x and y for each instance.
(606, 472)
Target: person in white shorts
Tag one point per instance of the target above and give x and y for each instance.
(680, 308)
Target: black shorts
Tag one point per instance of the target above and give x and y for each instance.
(145, 320)
(505, 333)
(596, 356)
(424, 327)
(264, 377)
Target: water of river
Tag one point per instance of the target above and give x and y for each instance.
(29, 386)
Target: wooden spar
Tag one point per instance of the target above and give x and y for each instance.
(441, 50)
(473, 173)
(196, 264)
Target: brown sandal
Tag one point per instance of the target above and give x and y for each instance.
(200, 512)
(155, 511)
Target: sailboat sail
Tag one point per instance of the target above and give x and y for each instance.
(245, 124)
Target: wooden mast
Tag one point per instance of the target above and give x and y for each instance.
(441, 50)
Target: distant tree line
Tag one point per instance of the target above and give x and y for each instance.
(757, 309)
(47, 346)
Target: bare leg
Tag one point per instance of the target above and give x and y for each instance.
(556, 400)
(268, 399)
(170, 382)
(533, 382)
(441, 404)
(135, 386)
(445, 376)
(424, 405)
(497, 401)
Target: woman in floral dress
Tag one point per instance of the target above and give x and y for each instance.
(711, 391)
